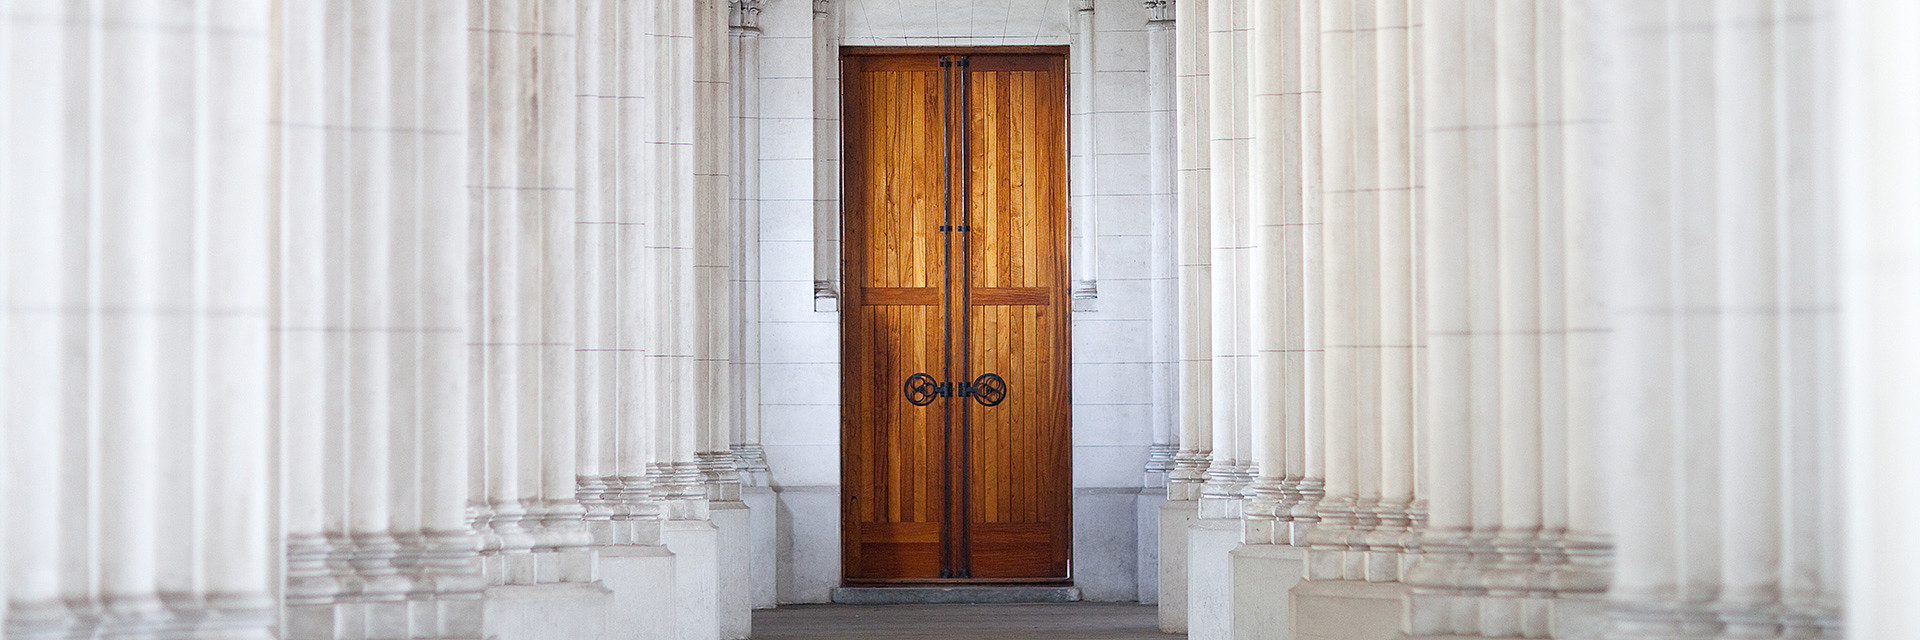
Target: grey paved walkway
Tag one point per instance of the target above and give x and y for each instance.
(1077, 621)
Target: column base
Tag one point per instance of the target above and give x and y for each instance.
(1176, 516)
(566, 611)
(1263, 576)
(696, 577)
(1348, 610)
(1210, 544)
(733, 524)
(763, 592)
(641, 609)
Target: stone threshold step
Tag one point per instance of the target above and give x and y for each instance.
(970, 594)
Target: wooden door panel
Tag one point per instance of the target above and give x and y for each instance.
(894, 453)
(1017, 318)
(955, 206)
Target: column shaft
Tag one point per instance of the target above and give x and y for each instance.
(1195, 253)
(596, 235)
(1269, 269)
(1447, 485)
(1396, 292)
(1164, 169)
(1749, 330)
(140, 218)
(1880, 230)
(1222, 488)
(1340, 246)
(42, 235)
(1313, 455)
(1638, 400)
(233, 280)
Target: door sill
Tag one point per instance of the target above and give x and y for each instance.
(967, 594)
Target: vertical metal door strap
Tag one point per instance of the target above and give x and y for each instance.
(965, 278)
(946, 309)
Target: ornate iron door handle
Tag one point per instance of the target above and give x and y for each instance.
(921, 389)
(989, 389)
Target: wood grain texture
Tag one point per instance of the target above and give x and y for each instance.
(956, 241)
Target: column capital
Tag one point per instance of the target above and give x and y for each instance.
(1083, 5)
(822, 7)
(744, 14)
(1159, 11)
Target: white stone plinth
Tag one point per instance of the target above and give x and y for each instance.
(1260, 573)
(733, 523)
(1210, 544)
(763, 547)
(1347, 610)
(696, 585)
(1176, 516)
(547, 612)
(641, 609)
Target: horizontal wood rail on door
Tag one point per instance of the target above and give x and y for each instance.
(956, 268)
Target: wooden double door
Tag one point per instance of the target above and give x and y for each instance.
(955, 426)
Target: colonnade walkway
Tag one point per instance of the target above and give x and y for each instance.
(1074, 621)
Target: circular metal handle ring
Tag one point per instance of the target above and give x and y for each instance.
(989, 389)
(921, 389)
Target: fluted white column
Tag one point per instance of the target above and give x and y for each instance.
(1584, 540)
(1225, 97)
(1082, 212)
(826, 146)
(452, 564)
(1270, 176)
(1313, 457)
(141, 271)
(1299, 193)
(1811, 353)
(233, 283)
(1518, 317)
(1749, 329)
(636, 436)
(556, 178)
(1881, 92)
(748, 456)
(1365, 344)
(498, 149)
(713, 246)
(302, 294)
(367, 304)
(1195, 254)
(1395, 353)
(1638, 396)
(1340, 252)
(43, 235)
(597, 233)
(1164, 169)
(1436, 606)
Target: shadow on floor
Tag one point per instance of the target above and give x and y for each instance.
(1076, 621)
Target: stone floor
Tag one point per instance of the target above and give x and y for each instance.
(1076, 621)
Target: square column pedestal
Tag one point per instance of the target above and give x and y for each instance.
(1176, 516)
(563, 611)
(1347, 610)
(733, 525)
(696, 577)
(1262, 573)
(641, 609)
(1210, 545)
(764, 532)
